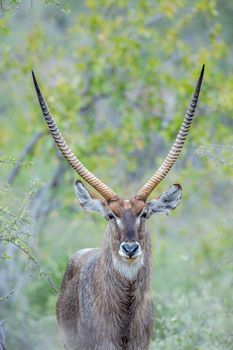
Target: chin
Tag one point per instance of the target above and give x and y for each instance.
(128, 267)
(133, 260)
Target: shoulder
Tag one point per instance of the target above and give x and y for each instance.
(80, 254)
(80, 258)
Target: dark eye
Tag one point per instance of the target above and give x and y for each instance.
(111, 216)
(144, 215)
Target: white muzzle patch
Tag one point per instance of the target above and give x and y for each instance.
(126, 266)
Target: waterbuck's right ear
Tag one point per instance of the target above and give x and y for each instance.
(89, 201)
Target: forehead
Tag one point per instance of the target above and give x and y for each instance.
(121, 206)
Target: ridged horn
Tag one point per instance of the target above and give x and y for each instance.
(172, 156)
(97, 184)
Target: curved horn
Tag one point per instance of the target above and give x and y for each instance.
(172, 156)
(103, 189)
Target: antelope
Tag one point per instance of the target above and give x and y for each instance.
(104, 301)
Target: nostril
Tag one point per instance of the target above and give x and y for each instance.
(130, 248)
(134, 248)
(125, 248)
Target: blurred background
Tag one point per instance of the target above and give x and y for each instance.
(118, 77)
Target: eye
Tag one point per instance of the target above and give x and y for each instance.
(111, 216)
(144, 215)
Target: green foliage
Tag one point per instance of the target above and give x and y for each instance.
(10, 5)
(15, 224)
(194, 321)
(219, 154)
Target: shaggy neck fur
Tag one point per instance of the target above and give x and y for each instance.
(128, 270)
(124, 288)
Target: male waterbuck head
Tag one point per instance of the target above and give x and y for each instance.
(127, 244)
(126, 221)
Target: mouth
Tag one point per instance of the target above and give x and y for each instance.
(131, 260)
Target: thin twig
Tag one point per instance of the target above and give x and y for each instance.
(5, 297)
(35, 262)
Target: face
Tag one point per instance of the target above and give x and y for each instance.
(127, 221)
(127, 233)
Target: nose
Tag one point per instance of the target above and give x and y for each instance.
(130, 248)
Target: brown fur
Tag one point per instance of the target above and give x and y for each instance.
(99, 308)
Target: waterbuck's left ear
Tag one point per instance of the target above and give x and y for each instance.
(167, 201)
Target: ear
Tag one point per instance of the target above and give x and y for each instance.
(167, 201)
(89, 201)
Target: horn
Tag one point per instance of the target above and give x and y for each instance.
(97, 184)
(175, 150)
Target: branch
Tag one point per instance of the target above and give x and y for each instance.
(41, 204)
(152, 21)
(15, 239)
(4, 298)
(2, 337)
(94, 99)
(27, 150)
(35, 262)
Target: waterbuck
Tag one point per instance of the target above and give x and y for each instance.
(104, 302)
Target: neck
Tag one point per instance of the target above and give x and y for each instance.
(120, 272)
(124, 298)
